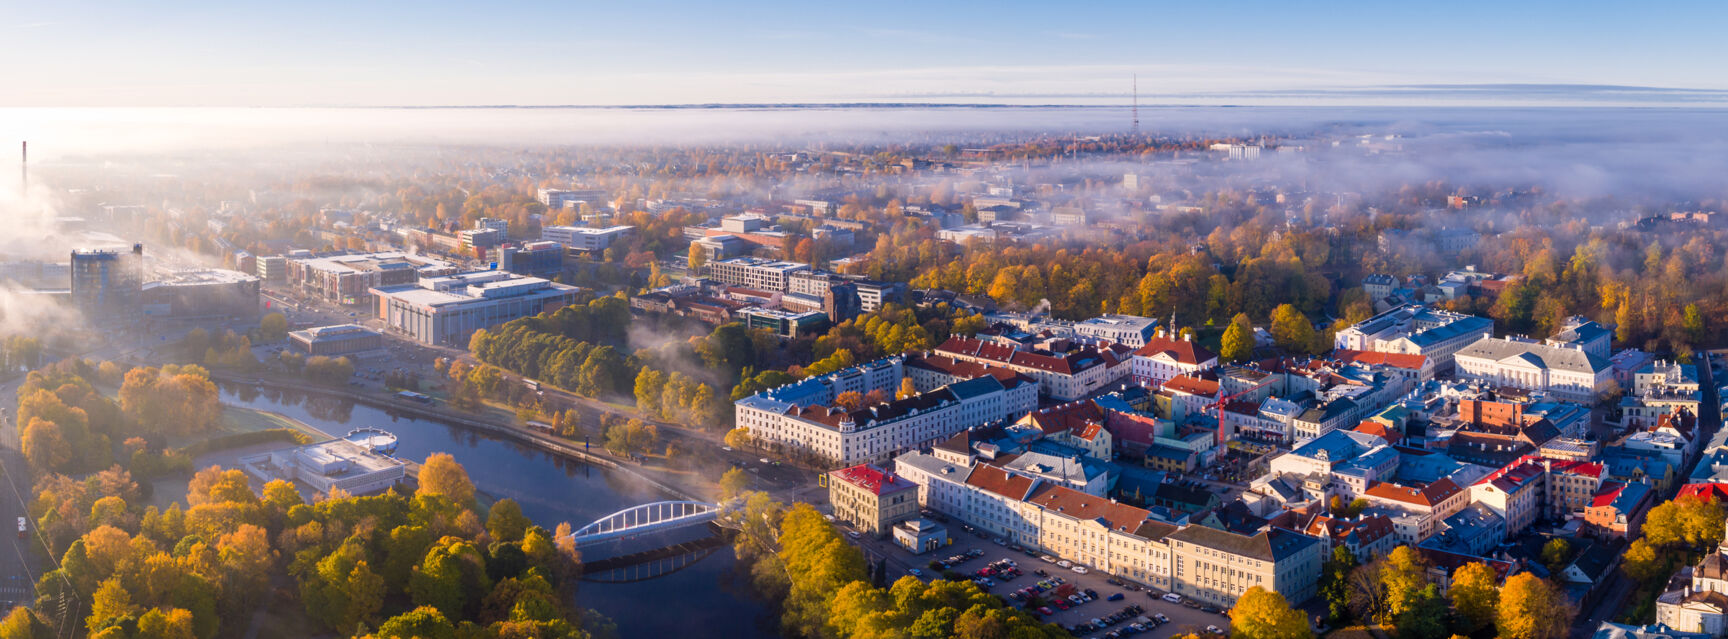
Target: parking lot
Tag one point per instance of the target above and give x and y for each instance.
(1182, 618)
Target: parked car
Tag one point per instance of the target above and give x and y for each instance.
(1214, 630)
(1172, 597)
(1079, 569)
(915, 572)
(1114, 597)
(1065, 563)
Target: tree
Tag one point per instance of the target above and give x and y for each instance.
(424, 622)
(1238, 341)
(1291, 330)
(1264, 614)
(273, 327)
(1531, 608)
(738, 438)
(1555, 554)
(1642, 563)
(649, 384)
(698, 257)
(1475, 597)
(907, 388)
(1334, 586)
(1402, 577)
(1693, 323)
(1426, 618)
(44, 446)
(441, 475)
(505, 521)
(110, 601)
(22, 623)
(849, 400)
(733, 482)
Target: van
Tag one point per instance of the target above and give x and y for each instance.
(1172, 597)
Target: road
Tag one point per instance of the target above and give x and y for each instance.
(19, 564)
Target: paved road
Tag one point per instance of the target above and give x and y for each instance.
(19, 565)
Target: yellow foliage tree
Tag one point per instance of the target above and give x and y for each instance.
(1265, 614)
(1531, 608)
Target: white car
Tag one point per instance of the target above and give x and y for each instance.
(1065, 563)
(853, 534)
(1079, 569)
(915, 572)
(1173, 597)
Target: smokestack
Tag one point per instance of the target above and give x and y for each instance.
(24, 168)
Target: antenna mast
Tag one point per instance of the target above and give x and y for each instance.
(1136, 112)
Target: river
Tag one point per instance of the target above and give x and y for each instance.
(700, 600)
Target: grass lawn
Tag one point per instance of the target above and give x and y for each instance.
(236, 420)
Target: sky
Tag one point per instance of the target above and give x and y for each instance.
(577, 52)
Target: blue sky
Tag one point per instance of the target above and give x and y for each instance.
(357, 52)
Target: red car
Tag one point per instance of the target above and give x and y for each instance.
(1046, 610)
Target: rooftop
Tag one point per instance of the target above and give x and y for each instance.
(875, 480)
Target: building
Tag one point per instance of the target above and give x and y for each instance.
(1566, 373)
(561, 198)
(1215, 566)
(206, 293)
(1617, 509)
(872, 433)
(873, 295)
(579, 238)
(784, 323)
(871, 498)
(349, 279)
(756, 273)
(1087, 529)
(1665, 375)
(1417, 512)
(341, 339)
(1586, 335)
(447, 310)
(1416, 330)
(1132, 331)
(1160, 358)
(273, 269)
(920, 536)
(107, 284)
(1066, 376)
(338, 464)
(537, 259)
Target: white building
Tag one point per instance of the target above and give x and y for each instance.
(1132, 331)
(1162, 357)
(1416, 330)
(873, 433)
(447, 310)
(756, 273)
(580, 238)
(1565, 372)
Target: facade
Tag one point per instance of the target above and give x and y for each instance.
(563, 198)
(538, 259)
(874, 433)
(349, 279)
(327, 466)
(871, 498)
(341, 339)
(756, 273)
(273, 268)
(201, 293)
(1216, 566)
(578, 238)
(1161, 357)
(447, 310)
(108, 284)
(1565, 372)
(784, 323)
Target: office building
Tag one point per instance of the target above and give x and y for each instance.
(1216, 566)
(341, 339)
(538, 259)
(347, 279)
(872, 433)
(1416, 330)
(784, 323)
(273, 269)
(108, 284)
(447, 310)
(756, 273)
(578, 238)
(206, 293)
(1568, 373)
(562, 198)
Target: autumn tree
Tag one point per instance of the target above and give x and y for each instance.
(738, 438)
(1291, 330)
(440, 475)
(1531, 608)
(505, 521)
(273, 327)
(1238, 341)
(907, 388)
(849, 400)
(733, 482)
(1264, 614)
(1475, 596)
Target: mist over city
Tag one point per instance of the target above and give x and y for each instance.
(937, 320)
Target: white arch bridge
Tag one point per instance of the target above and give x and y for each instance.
(646, 519)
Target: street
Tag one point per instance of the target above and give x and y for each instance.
(18, 565)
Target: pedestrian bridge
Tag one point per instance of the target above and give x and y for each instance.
(646, 519)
